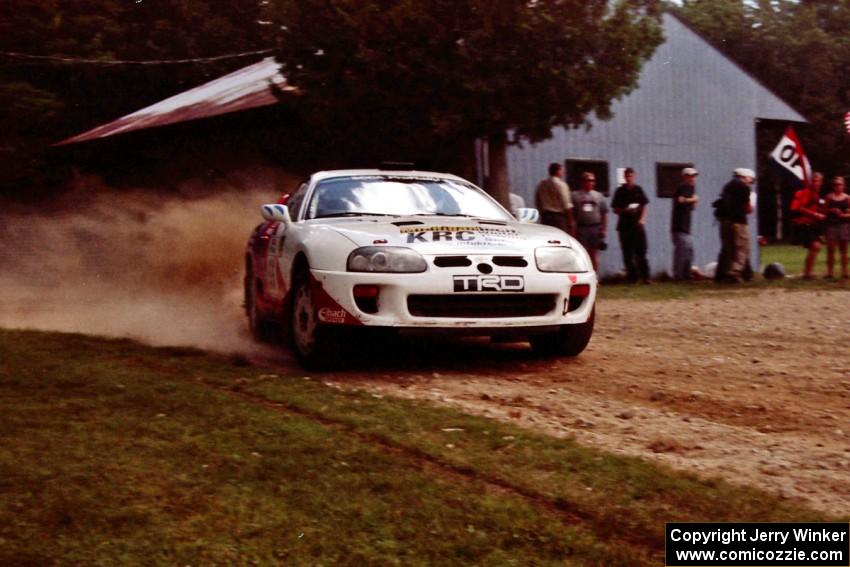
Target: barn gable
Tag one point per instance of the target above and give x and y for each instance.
(693, 105)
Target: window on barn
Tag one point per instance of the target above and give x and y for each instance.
(575, 167)
(668, 176)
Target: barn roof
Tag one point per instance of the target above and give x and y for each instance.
(243, 89)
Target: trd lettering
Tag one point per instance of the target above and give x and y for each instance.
(488, 283)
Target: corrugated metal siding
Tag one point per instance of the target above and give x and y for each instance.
(692, 105)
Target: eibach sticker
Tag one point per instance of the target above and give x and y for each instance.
(327, 308)
(330, 315)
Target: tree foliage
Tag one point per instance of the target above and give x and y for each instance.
(385, 77)
(32, 92)
(801, 50)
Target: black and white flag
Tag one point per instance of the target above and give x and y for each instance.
(788, 156)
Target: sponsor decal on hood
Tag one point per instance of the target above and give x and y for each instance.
(434, 237)
(471, 235)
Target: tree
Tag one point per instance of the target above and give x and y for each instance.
(44, 101)
(387, 77)
(27, 116)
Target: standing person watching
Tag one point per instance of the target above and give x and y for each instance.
(630, 204)
(591, 217)
(734, 231)
(684, 201)
(837, 206)
(808, 220)
(553, 200)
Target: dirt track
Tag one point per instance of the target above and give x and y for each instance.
(751, 388)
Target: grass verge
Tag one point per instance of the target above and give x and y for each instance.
(791, 257)
(112, 452)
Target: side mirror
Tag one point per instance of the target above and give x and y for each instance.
(528, 215)
(276, 213)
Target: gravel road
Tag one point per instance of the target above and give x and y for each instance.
(753, 388)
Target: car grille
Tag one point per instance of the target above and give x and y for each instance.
(510, 261)
(452, 261)
(491, 306)
(463, 261)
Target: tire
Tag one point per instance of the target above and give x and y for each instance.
(569, 340)
(313, 344)
(262, 329)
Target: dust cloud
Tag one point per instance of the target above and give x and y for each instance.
(162, 268)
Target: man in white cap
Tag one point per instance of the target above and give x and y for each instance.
(734, 232)
(684, 201)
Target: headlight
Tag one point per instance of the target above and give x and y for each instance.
(386, 259)
(559, 259)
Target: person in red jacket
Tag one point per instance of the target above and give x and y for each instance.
(808, 217)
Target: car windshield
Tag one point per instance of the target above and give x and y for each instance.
(385, 195)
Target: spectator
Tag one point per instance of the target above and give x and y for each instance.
(684, 201)
(591, 214)
(837, 206)
(630, 204)
(553, 200)
(734, 231)
(807, 220)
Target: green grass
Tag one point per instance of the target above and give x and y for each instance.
(791, 257)
(116, 453)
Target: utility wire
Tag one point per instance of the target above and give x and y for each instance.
(71, 60)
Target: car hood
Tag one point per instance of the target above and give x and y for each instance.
(447, 235)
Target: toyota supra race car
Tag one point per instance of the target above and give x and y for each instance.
(354, 251)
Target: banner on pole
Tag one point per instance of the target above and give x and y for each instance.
(789, 158)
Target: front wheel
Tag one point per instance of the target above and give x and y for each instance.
(569, 340)
(312, 342)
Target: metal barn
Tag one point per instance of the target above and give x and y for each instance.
(693, 106)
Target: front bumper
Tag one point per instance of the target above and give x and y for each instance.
(429, 300)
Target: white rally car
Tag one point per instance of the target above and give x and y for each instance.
(412, 251)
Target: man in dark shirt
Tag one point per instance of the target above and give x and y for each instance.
(630, 203)
(734, 232)
(684, 201)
